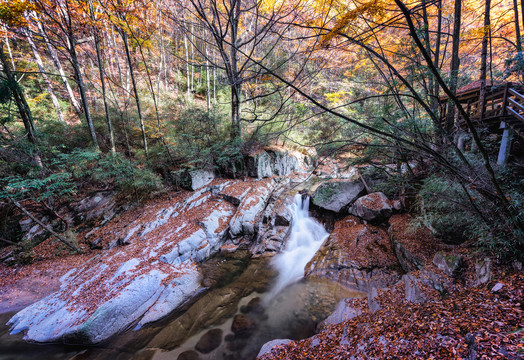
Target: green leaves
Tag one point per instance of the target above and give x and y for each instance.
(5, 92)
(56, 184)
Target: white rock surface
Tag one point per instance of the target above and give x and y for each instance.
(142, 281)
(200, 178)
(243, 223)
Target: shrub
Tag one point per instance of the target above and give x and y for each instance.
(124, 174)
(456, 214)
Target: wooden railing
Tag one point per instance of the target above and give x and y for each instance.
(504, 103)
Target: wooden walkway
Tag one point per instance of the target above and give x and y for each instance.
(503, 105)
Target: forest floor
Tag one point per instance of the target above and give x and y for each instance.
(467, 322)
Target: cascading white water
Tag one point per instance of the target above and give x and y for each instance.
(307, 235)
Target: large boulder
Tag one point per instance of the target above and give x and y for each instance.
(374, 207)
(274, 161)
(413, 247)
(200, 178)
(209, 341)
(482, 271)
(337, 195)
(243, 326)
(343, 312)
(95, 206)
(357, 255)
(424, 285)
(449, 264)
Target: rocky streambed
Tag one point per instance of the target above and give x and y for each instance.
(187, 276)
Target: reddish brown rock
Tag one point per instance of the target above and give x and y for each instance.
(414, 247)
(209, 341)
(357, 255)
(375, 207)
(243, 326)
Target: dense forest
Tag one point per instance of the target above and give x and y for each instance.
(135, 94)
(163, 152)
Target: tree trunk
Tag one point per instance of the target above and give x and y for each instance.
(58, 65)
(102, 80)
(117, 58)
(435, 103)
(484, 56)
(19, 97)
(455, 64)
(47, 228)
(81, 88)
(517, 26)
(208, 83)
(188, 79)
(236, 82)
(47, 82)
(137, 99)
(427, 42)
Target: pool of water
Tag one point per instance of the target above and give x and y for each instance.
(239, 289)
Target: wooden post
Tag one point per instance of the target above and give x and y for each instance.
(505, 101)
(505, 144)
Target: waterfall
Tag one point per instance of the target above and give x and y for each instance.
(307, 235)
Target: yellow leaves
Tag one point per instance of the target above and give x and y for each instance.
(478, 32)
(336, 96)
(372, 8)
(12, 12)
(268, 5)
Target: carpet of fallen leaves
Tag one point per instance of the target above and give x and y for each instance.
(466, 321)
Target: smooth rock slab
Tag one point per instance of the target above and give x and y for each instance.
(337, 195)
(143, 281)
(342, 313)
(249, 210)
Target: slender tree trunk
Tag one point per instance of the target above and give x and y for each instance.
(137, 99)
(208, 84)
(81, 88)
(117, 57)
(19, 97)
(214, 82)
(47, 82)
(236, 82)
(192, 59)
(102, 80)
(9, 50)
(427, 42)
(484, 55)
(58, 65)
(188, 79)
(455, 64)
(47, 228)
(109, 56)
(437, 53)
(517, 26)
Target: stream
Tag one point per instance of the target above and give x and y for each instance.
(247, 302)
